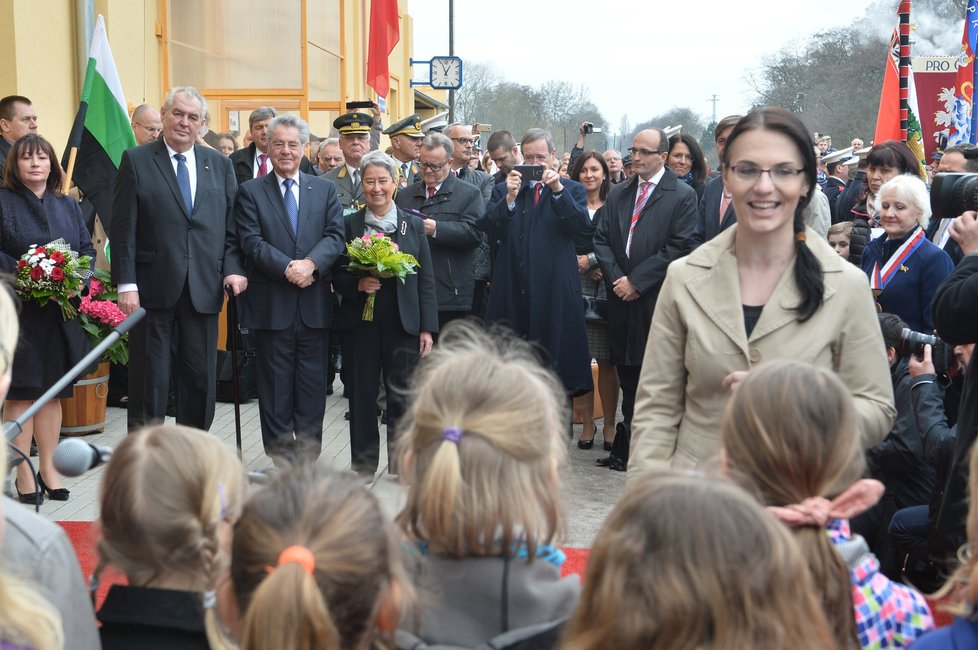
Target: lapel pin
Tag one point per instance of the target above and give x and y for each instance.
(404, 227)
(903, 268)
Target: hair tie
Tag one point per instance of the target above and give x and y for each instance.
(454, 434)
(819, 511)
(296, 555)
(800, 236)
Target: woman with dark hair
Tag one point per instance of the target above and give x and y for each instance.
(886, 160)
(686, 159)
(591, 171)
(33, 211)
(766, 288)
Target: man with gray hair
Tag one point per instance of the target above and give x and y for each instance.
(253, 161)
(536, 286)
(290, 225)
(173, 250)
(451, 209)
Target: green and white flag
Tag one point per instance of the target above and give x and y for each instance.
(101, 131)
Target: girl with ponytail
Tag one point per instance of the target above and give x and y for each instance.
(482, 453)
(766, 288)
(789, 434)
(314, 566)
(168, 499)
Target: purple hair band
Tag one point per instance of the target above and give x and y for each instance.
(451, 433)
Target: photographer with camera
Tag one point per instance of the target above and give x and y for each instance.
(956, 316)
(587, 128)
(908, 527)
(898, 461)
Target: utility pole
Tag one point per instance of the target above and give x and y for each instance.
(451, 52)
(714, 99)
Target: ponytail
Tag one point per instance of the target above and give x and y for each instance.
(288, 610)
(808, 273)
(835, 586)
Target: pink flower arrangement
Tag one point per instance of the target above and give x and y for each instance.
(102, 310)
(99, 315)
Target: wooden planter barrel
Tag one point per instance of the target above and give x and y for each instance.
(84, 412)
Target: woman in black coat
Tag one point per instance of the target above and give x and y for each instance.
(405, 315)
(34, 212)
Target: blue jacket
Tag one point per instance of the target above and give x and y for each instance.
(910, 292)
(962, 634)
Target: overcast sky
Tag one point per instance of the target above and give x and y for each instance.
(637, 57)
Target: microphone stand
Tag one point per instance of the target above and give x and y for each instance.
(14, 428)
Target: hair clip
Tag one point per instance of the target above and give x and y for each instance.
(223, 499)
(209, 599)
(800, 236)
(454, 434)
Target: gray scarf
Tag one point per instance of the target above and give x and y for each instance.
(385, 224)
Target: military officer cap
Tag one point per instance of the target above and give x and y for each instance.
(837, 156)
(350, 123)
(627, 160)
(409, 126)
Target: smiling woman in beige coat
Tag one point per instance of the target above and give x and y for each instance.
(765, 289)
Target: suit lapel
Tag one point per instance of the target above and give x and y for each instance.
(162, 158)
(203, 174)
(270, 183)
(717, 292)
(627, 205)
(305, 203)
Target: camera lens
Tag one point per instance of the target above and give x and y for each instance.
(953, 193)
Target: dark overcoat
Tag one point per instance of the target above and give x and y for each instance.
(663, 233)
(536, 287)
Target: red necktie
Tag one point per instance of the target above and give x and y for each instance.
(724, 204)
(537, 193)
(431, 191)
(262, 164)
(643, 196)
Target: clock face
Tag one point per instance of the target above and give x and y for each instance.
(446, 72)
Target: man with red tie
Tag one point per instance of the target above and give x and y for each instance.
(536, 287)
(648, 222)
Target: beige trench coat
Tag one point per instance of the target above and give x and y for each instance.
(698, 338)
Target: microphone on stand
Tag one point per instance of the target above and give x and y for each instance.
(12, 429)
(74, 457)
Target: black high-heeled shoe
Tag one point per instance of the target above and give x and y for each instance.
(57, 494)
(30, 498)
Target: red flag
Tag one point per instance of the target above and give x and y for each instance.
(385, 32)
(888, 119)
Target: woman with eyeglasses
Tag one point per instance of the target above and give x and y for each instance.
(766, 288)
(686, 159)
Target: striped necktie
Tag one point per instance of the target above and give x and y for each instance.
(645, 189)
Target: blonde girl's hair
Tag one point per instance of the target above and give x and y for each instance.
(689, 562)
(26, 617)
(497, 487)
(790, 433)
(163, 497)
(356, 563)
(962, 584)
(9, 327)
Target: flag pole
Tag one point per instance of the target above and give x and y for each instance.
(70, 171)
(904, 13)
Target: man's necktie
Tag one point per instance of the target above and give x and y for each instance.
(724, 204)
(643, 197)
(183, 181)
(404, 175)
(291, 207)
(262, 164)
(537, 193)
(356, 179)
(431, 191)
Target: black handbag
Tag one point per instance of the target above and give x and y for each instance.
(247, 365)
(595, 309)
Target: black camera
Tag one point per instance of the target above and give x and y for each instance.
(587, 128)
(941, 353)
(953, 193)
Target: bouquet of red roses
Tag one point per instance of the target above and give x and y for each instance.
(380, 257)
(52, 273)
(99, 315)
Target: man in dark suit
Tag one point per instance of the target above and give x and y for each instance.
(355, 129)
(451, 208)
(173, 249)
(838, 174)
(290, 225)
(406, 138)
(648, 223)
(461, 136)
(536, 287)
(253, 161)
(504, 153)
(17, 119)
(716, 212)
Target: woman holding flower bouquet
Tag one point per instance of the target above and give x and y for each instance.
(33, 212)
(385, 323)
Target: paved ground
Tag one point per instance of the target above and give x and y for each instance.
(590, 491)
